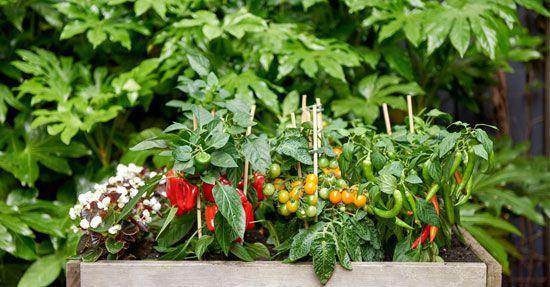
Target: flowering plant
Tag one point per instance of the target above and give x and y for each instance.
(115, 216)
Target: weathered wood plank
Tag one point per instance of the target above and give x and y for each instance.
(494, 270)
(271, 273)
(73, 273)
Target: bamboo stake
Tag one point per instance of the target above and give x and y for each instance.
(410, 110)
(386, 118)
(319, 119)
(315, 140)
(293, 122)
(199, 218)
(305, 112)
(246, 163)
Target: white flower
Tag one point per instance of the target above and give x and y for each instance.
(146, 213)
(114, 229)
(146, 202)
(84, 224)
(122, 190)
(133, 192)
(75, 229)
(152, 174)
(96, 221)
(156, 207)
(121, 169)
(112, 180)
(83, 198)
(72, 213)
(134, 168)
(106, 201)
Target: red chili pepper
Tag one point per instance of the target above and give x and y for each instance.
(458, 177)
(422, 237)
(434, 229)
(180, 192)
(207, 188)
(258, 185)
(210, 215)
(433, 233)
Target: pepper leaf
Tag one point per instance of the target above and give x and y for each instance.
(256, 151)
(229, 205)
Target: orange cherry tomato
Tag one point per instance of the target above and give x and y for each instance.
(335, 196)
(279, 184)
(296, 193)
(311, 178)
(360, 201)
(296, 183)
(326, 171)
(337, 150)
(348, 197)
(310, 187)
(337, 173)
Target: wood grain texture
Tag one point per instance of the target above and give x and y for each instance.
(494, 270)
(271, 273)
(73, 273)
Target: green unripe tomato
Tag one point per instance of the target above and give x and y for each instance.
(342, 208)
(333, 163)
(324, 193)
(324, 162)
(274, 170)
(283, 210)
(331, 180)
(311, 199)
(311, 211)
(301, 213)
(342, 183)
(269, 189)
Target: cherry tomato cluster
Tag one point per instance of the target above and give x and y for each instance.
(331, 167)
(294, 196)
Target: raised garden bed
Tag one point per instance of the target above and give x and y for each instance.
(487, 272)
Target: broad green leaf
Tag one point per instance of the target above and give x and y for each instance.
(256, 151)
(199, 63)
(323, 251)
(222, 159)
(448, 143)
(490, 244)
(43, 271)
(301, 243)
(202, 245)
(177, 229)
(15, 224)
(387, 183)
(485, 35)
(113, 246)
(223, 233)
(460, 35)
(167, 220)
(486, 219)
(241, 252)
(437, 28)
(229, 205)
(257, 250)
(426, 212)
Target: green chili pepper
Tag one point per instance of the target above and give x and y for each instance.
(466, 197)
(449, 207)
(402, 223)
(456, 162)
(433, 190)
(394, 211)
(410, 199)
(366, 166)
(425, 170)
(468, 171)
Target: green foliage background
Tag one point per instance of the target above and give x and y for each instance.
(82, 80)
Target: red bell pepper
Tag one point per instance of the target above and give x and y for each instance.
(207, 188)
(180, 192)
(248, 210)
(210, 215)
(258, 185)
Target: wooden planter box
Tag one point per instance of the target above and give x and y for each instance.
(273, 273)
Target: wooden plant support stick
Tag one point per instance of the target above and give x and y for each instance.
(410, 110)
(315, 140)
(199, 218)
(246, 163)
(293, 122)
(305, 112)
(319, 119)
(386, 118)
